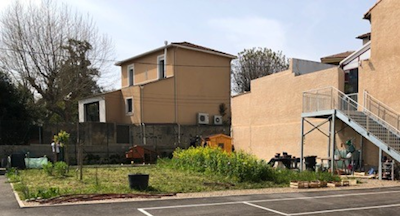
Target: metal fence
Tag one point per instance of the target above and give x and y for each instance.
(378, 122)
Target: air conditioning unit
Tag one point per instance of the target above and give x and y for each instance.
(218, 120)
(202, 118)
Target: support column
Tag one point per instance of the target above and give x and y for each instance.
(380, 164)
(329, 139)
(333, 135)
(302, 144)
(361, 153)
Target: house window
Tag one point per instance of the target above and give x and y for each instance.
(129, 106)
(131, 72)
(161, 67)
(92, 112)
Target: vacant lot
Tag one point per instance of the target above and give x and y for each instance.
(114, 179)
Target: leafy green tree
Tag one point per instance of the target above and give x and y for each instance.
(255, 63)
(16, 111)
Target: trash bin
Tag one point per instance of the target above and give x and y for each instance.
(138, 181)
(18, 161)
(310, 162)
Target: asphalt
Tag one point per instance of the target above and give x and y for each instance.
(378, 201)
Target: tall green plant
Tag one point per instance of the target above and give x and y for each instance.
(63, 138)
(239, 166)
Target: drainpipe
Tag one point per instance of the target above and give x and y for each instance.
(141, 116)
(144, 133)
(175, 99)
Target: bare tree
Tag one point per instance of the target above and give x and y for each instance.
(254, 63)
(34, 39)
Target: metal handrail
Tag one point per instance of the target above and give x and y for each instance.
(382, 106)
(364, 109)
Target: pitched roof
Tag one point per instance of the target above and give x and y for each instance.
(336, 58)
(367, 15)
(366, 35)
(185, 45)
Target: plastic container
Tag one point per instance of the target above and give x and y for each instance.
(138, 181)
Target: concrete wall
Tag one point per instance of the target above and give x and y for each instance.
(101, 139)
(113, 101)
(300, 66)
(146, 68)
(201, 88)
(380, 75)
(200, 84)
(267, 120)
(128, 118)
(159, 101)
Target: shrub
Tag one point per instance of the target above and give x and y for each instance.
(48, 168)
(60, 168)
(46, 193)
(239, 166)
(13, 175)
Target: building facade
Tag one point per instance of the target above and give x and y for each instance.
(272, 118)
(179, 83)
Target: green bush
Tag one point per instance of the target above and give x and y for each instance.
(238, 166)
(48, 168)
(13, 175)
(60, 168)
(46, 193)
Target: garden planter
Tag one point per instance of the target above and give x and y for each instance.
(138, 181)
(299, 184)
(334, 184)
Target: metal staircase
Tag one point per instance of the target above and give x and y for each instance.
(380, 126)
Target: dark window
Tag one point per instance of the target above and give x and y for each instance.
(92, 112)
(129, 105)
(130, 75)
(221, 145)
(351, 81)
(161, 68)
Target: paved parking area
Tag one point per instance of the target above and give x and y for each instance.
(379, 201)
(384, 201)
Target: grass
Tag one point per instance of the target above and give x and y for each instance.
(34, 183)
(192, 170)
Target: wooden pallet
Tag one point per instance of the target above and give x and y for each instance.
(299, 184)
(334, 184)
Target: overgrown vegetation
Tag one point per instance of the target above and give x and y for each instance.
(192, 170)
(238, 166)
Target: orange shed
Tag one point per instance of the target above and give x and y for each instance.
(219, 140)
(141, 154)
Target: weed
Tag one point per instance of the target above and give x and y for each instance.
(60, 169)
(48, 168)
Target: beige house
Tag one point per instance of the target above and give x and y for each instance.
(180, 83)
(299, 110)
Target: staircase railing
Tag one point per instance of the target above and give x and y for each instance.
(330, 98)
(382, 110)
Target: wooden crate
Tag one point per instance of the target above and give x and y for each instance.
(334, 184)
(323, 183)
(314, 184)
(299, 184)
(345, 183)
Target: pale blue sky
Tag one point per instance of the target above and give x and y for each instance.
(306, 29)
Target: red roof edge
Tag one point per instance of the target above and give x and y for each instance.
(367, 15)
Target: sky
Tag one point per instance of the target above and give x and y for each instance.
(304, 29)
